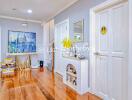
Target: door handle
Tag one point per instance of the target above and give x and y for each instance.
(97, 53)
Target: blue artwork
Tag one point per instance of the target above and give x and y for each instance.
(21, 42)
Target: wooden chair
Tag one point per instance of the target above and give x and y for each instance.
(27, 68)
(8, 67)
(23, 68)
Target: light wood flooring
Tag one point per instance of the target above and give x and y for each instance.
(36, 85)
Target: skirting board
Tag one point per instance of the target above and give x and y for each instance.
(34, 67)
(104, 97)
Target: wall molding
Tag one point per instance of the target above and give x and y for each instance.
(107, 4)
(38, 21)
(20, 19)
(70, 4)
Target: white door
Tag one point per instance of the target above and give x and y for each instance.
(61, 32)
(112, 52)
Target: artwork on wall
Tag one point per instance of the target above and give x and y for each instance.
(21, 42)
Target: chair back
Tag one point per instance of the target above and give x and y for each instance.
(8, 60)
(22, 63)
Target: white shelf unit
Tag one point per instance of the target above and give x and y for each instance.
(81, 67)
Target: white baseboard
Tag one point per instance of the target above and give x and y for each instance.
(104, 97)
(36, 66)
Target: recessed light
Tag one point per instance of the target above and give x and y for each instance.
(29, 11)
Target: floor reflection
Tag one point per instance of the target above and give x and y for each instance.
(36, 85)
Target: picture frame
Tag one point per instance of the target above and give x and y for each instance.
(21, 42)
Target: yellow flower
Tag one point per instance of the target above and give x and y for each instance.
(67, 43)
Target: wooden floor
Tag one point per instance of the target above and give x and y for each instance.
(37, 85)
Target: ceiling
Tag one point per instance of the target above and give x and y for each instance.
(42, 9)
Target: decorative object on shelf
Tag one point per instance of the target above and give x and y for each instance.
(103, 30)
(81, 57)
(75, 81)
(75, 53)
(21, 42)
(78, 31)
(71, 75)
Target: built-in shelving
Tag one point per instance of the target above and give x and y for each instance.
(71, 76)
(76, 74)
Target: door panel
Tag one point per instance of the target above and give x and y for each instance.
(117, 73)
(101, 74)
(103, 39)
(119, 50)
(112, 52)
(117, 30)
(120, 30)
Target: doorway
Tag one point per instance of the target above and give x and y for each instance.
(109, 53)
(61, 32)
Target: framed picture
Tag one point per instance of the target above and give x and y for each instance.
(21, 42)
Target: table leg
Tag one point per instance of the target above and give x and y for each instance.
(30, 60)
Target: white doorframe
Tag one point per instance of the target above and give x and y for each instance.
(130, 53)
(93, 11)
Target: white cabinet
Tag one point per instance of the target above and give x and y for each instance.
(80, 76)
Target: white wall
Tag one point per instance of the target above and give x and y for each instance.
(79, 11)
(130, 53)
(16, 25)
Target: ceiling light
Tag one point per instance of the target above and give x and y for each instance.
(29, 11)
